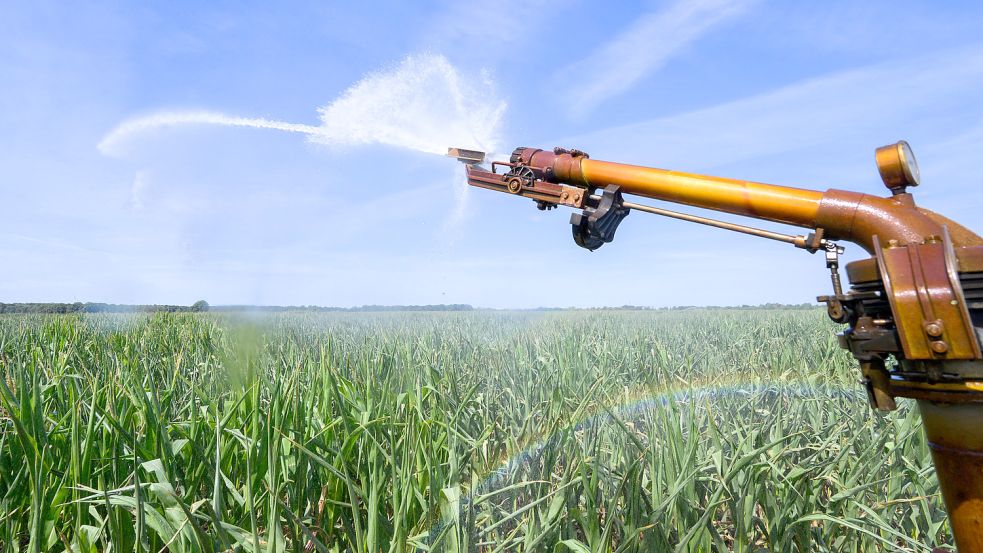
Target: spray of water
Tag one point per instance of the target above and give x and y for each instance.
(114, 143)
(423, 104)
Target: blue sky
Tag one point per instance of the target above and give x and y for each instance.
(782, 92)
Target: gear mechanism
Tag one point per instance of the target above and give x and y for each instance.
(520, 176)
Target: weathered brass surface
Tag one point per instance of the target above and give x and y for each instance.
(963, 391)
(857, 218)
(926, 298)
(955, 437)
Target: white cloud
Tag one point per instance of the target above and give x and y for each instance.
(644, 47)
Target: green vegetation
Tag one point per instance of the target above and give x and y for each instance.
(579, 431)
(202, 305)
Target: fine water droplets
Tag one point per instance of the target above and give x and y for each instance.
(423, 103)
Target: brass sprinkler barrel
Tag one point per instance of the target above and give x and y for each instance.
(844, 215)
(781, 204)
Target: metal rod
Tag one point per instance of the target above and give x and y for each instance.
(788, 238)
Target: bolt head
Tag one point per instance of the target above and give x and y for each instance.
(934, 329)
(940, 347)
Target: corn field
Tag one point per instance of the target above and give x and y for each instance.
(702, 430)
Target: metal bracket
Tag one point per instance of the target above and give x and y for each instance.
(926, 298)
(833, 253)
(597, 224)
(835, 307)
(526, 182)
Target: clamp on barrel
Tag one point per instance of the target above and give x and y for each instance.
(596, 225)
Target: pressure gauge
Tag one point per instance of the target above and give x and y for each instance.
(897, 166)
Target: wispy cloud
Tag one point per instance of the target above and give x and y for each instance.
(919, 95)
(482, 31)
(646, 46)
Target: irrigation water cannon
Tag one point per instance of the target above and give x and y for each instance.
(914, 308)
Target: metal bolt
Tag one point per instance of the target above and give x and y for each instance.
(940, 347)
(566, 195)
(892, 243)
(933, 239)
(934, 329)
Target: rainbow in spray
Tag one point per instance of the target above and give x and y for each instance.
(635, 405)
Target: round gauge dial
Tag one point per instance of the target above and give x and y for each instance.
(897, 166)
(909, 164)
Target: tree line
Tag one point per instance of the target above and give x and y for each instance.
(361, 308)
(202, 305)
(91, 307)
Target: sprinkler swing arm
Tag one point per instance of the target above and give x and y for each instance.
(914, 308)
(601, 214)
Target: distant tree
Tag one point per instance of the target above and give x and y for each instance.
(199, 306)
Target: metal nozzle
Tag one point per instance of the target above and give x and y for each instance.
(468, 157)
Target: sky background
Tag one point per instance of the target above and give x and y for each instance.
(789, 93)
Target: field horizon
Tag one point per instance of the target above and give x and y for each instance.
(202, 305)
